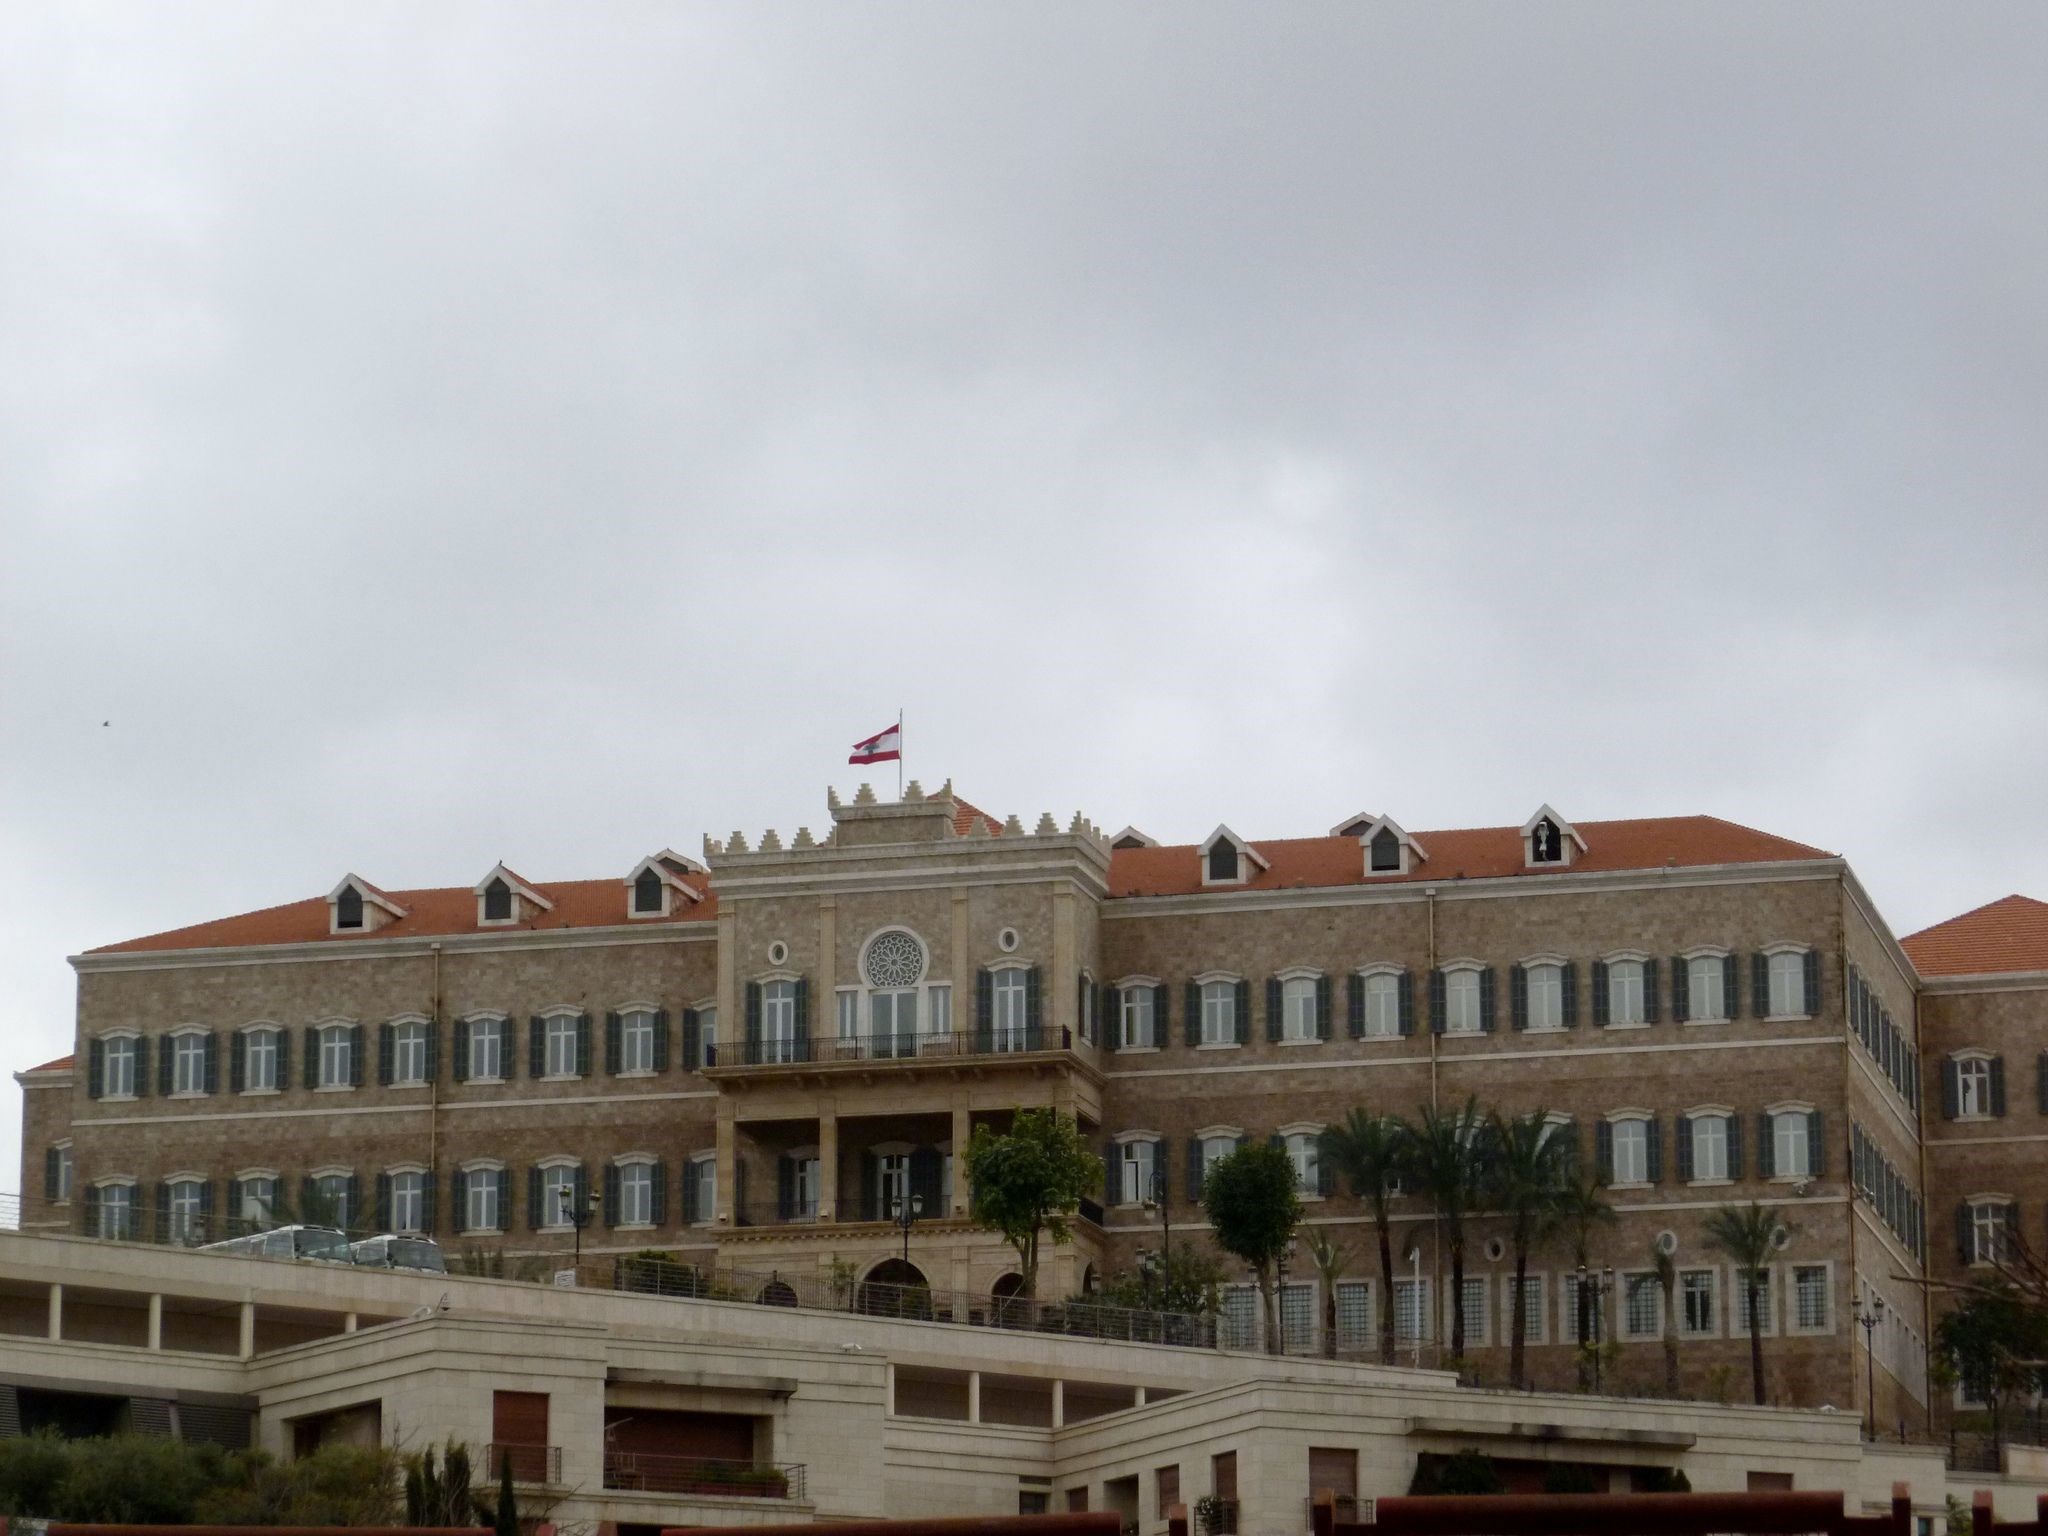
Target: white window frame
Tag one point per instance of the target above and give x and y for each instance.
(778, 1016)
(636, 1037)
(703, 1168)
(472, 1190)
(1630, 1284)
(126, 1186)
(706, 1010)
(1793, 1324)
(1697, 1121)
(67, 1170)
(1796, 954)
(1716, 1311)
(1715, 959)
(1640, 1120)
(1382, 1003)
(1973, 1084)
(187, 1045)
(1304, 1151)
(1478, 1309)
(498, 1028)
(932, 1015)
(630, 1165)
(1217, 1142)
(417, 1195)
(551, 1204)
(1137, 999)
(251, 1034)
(1782, 1116)
(185, 1203)
(1462, 998)
(1218, 992)
(266, 1210)
(558, 1029)
(1733, 1308)
(1535, 1324)
(1298, 990)
(1137, 1158)
(331, 1032)
(1629, 987)
(1009, 1006)
(1412, 1310)
(408, 1037)
(126, 1038)
(1551, 983)
(337, 1199)
(1358, 1326)
(1988, 1215)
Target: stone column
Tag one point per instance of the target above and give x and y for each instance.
(56, 1313)
(728, 1163)
(963, 1132)
(1059, 1402)
(1140, 1402)
(828, 1165)
(248, 1340)
(732, 1025)
(1064, 969)
(825, 1000)
(156, 1320)
(348, 1322)
(963, 967)
(974, 1397)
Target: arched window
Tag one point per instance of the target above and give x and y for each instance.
(647, 894)
(1386, 851)
(348, 908)
(498, 901)
(1222, 860)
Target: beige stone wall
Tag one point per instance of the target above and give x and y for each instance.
(45, 1121)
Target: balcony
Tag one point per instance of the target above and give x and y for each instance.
(890, 1051)
(533, 1464)
(699, 1476)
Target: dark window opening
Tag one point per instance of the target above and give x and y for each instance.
(497, 902)
(348, 908)
(1223, 860)
(1545, 847)
(1386, 851)
(647, 892)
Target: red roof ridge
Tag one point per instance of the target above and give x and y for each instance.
(2006, 935)
(61, 1064)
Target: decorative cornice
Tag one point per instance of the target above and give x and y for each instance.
(417, 947)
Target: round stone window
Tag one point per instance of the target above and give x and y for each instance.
(895, 959)
(778, 953)
(1006, 941)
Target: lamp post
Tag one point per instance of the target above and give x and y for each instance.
(1870, 1315)
(1594, 1284)
(905, 1214)
(578, 1214)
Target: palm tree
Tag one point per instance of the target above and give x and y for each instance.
(1667, 1281)
(1371, 1152)
(1451, 1163)
(1531, 1168)
(1329, 1258)
(1582, 1206)
(1748, 1235)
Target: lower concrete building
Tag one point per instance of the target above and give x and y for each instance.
(632, 1412)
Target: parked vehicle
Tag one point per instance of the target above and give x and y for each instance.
(295, 1242)
(389, 1250)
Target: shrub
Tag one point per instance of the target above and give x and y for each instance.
(136, 1480)
(30, 1470)
(1569, 1477)
(1469, 1471)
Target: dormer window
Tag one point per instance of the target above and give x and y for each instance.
(647, 894)
(356, 906)
(1228, 859)
(1386, 852)
(497, 902)
(502, 898)
(1388, 849)
(1549, 841)
(348, 908)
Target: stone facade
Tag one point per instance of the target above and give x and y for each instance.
(798, 1130)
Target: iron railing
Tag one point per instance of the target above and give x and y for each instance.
(635, 1472)
(10, 1213)
(538, 1464)
(869, 1207)
(931, 1045)
(1216, 1517)
(823, 1293)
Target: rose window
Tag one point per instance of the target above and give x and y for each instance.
(895, 960)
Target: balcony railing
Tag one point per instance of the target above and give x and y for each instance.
(1077, 1319)
(941, 1045)
(1216, 1517)
(540, 1464)
(633, 1472)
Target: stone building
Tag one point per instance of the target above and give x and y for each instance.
(754, 1060)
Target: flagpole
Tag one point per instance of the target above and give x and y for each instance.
(899, 753)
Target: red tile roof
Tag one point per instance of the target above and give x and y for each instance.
(964, 817)
(2010, 934)
(1295, 863)
(61, 1064)
(1472, 854)
(450, 910)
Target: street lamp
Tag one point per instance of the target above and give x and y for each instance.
(576, 1213)
(905, 1213)
(1594, 1285)
(1870, 1315)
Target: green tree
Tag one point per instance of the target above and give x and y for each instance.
(1028, 1180)
(1451, 1163)
(1532, 1165)
(1992, 1342)
(1329, 1257)
(1748, 1235)
(505, 1518)
(1369, 1152)
(31, 1469)
(1253, 1208)
(136, 1480)
(1189, 1282)
(1581, 1207)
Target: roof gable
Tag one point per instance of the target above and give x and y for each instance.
(2003, 936)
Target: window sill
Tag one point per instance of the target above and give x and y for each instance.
(336, 1088)
(1219, 1045)
(482, 1082)
(1690, 1022)
(1793, 1178)
(260, 1093)
(1136, 1050)
(118, 1098)
(1545, 1029)
(1633, 1184)
(188, 1093)
(1720, 1182)
(634, 1226)
(559, 1077)
(1463, 1034)
(1627, 1024)
(634, 1072)
(1785, 1018)
(1312, 1040)
(410, 1083)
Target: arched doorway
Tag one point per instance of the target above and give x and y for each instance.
(1009, 1307)
(777, 1293)
(895, 1288)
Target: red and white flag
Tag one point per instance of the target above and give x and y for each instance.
(882, 747)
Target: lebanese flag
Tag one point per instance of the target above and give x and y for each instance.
(882, 747)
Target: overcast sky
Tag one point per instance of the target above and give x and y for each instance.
(438, 434)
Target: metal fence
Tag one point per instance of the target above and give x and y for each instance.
(921, 1046)
(540, 1464)
(635, 1472)
(10, 1213)
(823, 1293)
